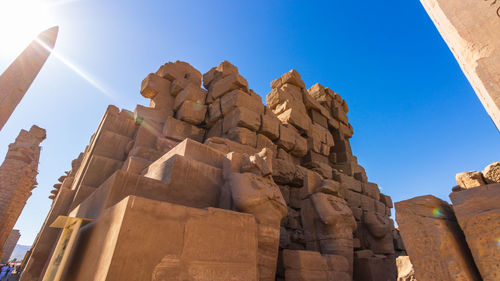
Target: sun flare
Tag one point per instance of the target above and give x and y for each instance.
(20, 22)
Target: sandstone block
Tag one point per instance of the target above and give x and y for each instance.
(153, 85)
(405, 269)
(298, 119)
(371, 189)
(287, 137)
(478, 213)
(270, 125)
(308, 260)
(211, 244)
(374, 269)
(214, 112)
(227, 84)
(470, 179)
(224, 69)
(291, 77)
(181, 72)
(192, 112)
(432, 235)
(492, 173)
(179, 130)
(239, 98)
(241, 117)
(319, 119)
(197, 183)
(348, 182)
(190, 93)
(243, 136)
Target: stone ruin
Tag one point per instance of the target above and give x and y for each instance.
(17, 179)
(460, 241)
(208, 183)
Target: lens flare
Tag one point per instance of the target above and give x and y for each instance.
(436, 212)
(78, 71)
(498, 241)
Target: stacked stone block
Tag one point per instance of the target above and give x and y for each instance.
(18, 178)
(288, 164)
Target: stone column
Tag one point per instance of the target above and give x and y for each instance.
(9, 246)
(434, 241)
(18, 177)
(478, 213)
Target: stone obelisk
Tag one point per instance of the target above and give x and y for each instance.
(16, 80)
(471, 28)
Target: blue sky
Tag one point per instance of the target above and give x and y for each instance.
(417, 121)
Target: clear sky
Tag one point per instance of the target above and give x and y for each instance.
(417, 121)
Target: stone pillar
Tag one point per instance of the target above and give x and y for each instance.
(18, 177)
(434, 241)
(478, 213)
(9, 246)
(475, 44)
(16, 80)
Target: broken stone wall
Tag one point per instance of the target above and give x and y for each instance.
(10, 244)
(18, 178)
(290, 158)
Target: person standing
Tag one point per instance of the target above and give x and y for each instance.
(3, 271)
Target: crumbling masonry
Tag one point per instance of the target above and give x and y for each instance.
(208, 183)
(18, 178)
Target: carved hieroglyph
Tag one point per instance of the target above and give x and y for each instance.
(478, 213)
(434, 240)
(470, 28)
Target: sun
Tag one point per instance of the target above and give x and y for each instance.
(20, 22)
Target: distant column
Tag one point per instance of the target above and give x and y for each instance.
(18, 177)
(17, 79)
(10, 245)
(470, 28)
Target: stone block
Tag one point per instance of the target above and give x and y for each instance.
(287, 137)
(153, 85)
(243, 136)
(296, 118)
(214, 113)
(147, 134)
(353, 198)
(478, 213)
(319, 119)
(270, 125)
(337, 263)
(432, 235)
(144, 152)
(308, 260)
(375, 269)
(193, 150)
(367, 203)
(198, 181)
(99, 169)
(225, 146)
(181, 72)
(348, 182)
(491, 173)
(300, 147)
(224, 69)
(205, 245)
(192, 112)
(241, 117)
(190, 93)
(135, 165)
(111, 145)
(470, 179)
(216, 129)
(291, 77)
(305, 275)
(371, 189)
(386, 199)
(231, 82)
(265, 142)
(238, 98)
(179, 130)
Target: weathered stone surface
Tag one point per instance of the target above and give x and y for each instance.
(491, 173)
(470, 179)
(434, 240)
(474, 43)
(18, 178)
(10, 244)
(204, 245)
(180, 130)
(154, 85)
(241, 117)
(405, 269)
(192, 112)
(478, 213)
